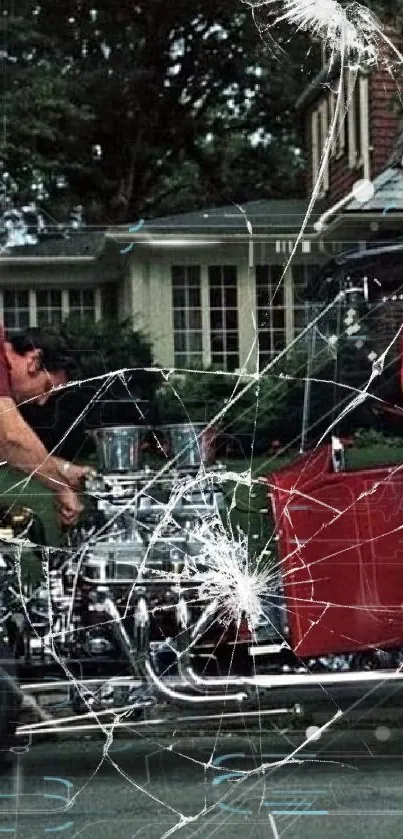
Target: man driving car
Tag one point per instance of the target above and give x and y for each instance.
(32, 364)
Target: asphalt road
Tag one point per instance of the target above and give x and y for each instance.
(348, 783)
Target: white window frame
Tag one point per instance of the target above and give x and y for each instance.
(319, 136)
(359, 150)
(33, 299)
(82, 308)
(268, 309)
(353, 151)
(340, 139)
(33, 303)
(190, 361)
(223, 308)
(364, 126)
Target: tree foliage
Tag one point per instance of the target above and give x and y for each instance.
(115, 106)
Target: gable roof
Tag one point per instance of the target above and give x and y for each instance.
(265, 216)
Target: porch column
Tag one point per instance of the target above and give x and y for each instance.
(160, 317)
(247, 317)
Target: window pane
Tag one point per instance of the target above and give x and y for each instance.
(231, 297)
(299, 318)
(22, 299)
(217, 342)
(263, 318)
(8, 298)
(74, 298)
(231, 319)
(179, 318)
(270, 313)
(264, 340)
(180, 341)
(42, 298)
(276, 272)
(262, 296)
(278, 340)
(278, 318)
(55, 298)
(195, 341)
(9, 319)
(218, 359)
(180, 360)
(216, 300)
(23, 317)
(277, 294)
(262, 275)
(187, 316)
(232, 362)
(195, 319)
(179, 298)
(216, 319)
(194, 297)
(232, 342)
(229, 275)
(13, 299)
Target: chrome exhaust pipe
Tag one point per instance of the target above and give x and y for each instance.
(313, 683)
(142, 623)
(187, 698)
(58, 725)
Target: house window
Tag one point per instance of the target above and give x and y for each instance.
(270, 312)
(45, 307)
(224, 337)
(82, 303)
(187, 315)
(358, 123)
(337, 100)
(320, 122)
(16, 313)
(49, 307)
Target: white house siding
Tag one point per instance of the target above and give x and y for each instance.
(148, 286)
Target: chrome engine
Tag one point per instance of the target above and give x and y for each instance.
(122, 598)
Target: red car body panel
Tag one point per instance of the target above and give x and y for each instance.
(340, 540)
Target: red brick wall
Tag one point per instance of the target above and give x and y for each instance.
(382, 132)
(383, 122)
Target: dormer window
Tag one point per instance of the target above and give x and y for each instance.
(351, 133)
(319, 136)
(358, 123)
(339, 134)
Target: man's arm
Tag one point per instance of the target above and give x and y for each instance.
(23, 450)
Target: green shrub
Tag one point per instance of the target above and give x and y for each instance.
(367, 437)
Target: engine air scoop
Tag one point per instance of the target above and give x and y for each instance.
(119, 447)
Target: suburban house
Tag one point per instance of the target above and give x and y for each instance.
(205, 286)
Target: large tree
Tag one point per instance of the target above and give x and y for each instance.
(135, 108)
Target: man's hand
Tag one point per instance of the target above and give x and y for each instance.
(68, 506)
(73, 475)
